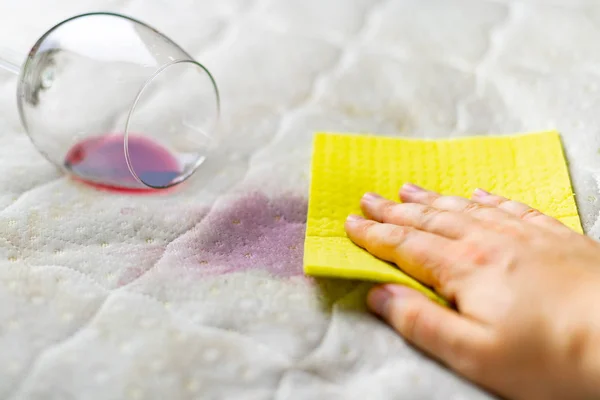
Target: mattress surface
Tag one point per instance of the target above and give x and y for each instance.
(199, 293)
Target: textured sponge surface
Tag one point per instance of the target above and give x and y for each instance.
(526, 167)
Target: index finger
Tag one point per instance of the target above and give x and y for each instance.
(422, 255)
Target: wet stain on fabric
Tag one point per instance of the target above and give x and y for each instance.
(255, 232)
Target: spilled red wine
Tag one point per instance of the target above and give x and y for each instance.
(100, 161)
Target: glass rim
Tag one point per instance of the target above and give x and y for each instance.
(199, 160)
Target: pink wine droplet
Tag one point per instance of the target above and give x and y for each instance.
(101, 161)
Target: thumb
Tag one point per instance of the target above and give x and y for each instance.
(442, 333)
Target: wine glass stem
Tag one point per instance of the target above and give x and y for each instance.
(10, 61)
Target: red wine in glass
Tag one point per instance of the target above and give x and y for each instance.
(100, 161)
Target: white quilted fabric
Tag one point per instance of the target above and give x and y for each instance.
(199, 294)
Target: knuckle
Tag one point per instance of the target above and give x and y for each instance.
(514, 230)
(444, 276)
(389, 208)
(411, 320)
(446, 201)
(386, 239)
(479, 257)
(529, 214)
(399, 235)
(433, 269)
(368, 230)
(371, 232)
(429, 215)
(475, 255)
(498, 201)
(432, 198)
(473, 207)
(439, 201)
(374, 239)
(424, 258)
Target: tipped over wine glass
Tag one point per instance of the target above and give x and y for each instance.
(113, 102)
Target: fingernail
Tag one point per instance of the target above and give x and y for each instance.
(410, 188)
(378, 300)
(371, 197)
(399, 291)
(354, 218)
(379, 297)
(480, 193)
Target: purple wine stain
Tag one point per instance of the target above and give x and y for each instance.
(253, 233)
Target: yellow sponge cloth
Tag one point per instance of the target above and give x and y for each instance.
(528, 167)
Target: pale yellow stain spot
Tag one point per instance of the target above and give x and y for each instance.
(345, 350)
(135, 393)
(248, 255)
(12, 222)
(192, 386)
(277, 218)
(67, 317)
(203, 262)
(247, 374)
(237, 222)
(126, 348)
(104, 244)
(12, 259)
(179, 337)
(349, 354)
(283, 317)
(149, 240)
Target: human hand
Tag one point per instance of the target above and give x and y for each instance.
(526, 290)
